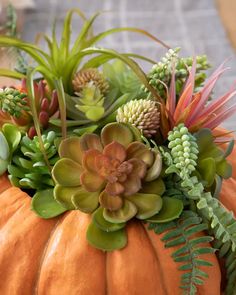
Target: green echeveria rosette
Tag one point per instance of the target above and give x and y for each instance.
(114, 176)
(28, 169)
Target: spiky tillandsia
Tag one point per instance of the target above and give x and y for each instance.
(143, 114)
(193, 109)
(63, 61)
(161, 72)
(28, 169)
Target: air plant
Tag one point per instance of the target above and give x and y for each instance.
(63, 62)
(194, 109)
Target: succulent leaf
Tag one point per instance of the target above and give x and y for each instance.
(103, 224)
(147, 204)
(171, 209)
(116, 132)
(45, 206)
(67, 172)
(106, 241)
(125, 213)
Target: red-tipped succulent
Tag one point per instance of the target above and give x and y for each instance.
(46, 104)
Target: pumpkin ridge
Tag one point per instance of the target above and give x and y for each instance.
(4, 183)
(106, 277)
(60, 220)
(16, 210)
(157, 258)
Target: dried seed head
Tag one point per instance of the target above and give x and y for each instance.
(143, 114)
(83, 77)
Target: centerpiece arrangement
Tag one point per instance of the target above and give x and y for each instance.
(113, 181)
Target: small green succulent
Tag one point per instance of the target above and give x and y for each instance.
(211, 159)
(90, 102)
(28, 168)
(12, 102)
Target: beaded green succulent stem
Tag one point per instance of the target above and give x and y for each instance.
(162, 71)
(184, 151)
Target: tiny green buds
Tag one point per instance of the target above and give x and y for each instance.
(184, 150)
(12, 102)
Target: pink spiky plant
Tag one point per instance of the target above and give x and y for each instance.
(194, 109)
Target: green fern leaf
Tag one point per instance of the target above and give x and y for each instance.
(182, 233)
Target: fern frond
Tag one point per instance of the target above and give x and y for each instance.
(185, 233)
(229, 256)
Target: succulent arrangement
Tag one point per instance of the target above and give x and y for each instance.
(100, 136)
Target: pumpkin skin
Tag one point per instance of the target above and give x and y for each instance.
(53, 256)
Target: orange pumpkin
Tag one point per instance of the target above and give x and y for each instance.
(52, 257)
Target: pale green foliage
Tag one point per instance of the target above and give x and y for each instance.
(185, 234)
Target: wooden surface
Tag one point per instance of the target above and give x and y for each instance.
(227, 12)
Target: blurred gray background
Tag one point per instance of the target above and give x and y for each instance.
(193, 25)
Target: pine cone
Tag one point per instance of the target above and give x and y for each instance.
(143, 114)
(83, 77)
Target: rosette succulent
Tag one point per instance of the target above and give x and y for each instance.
(107, 170)
(114, 173)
